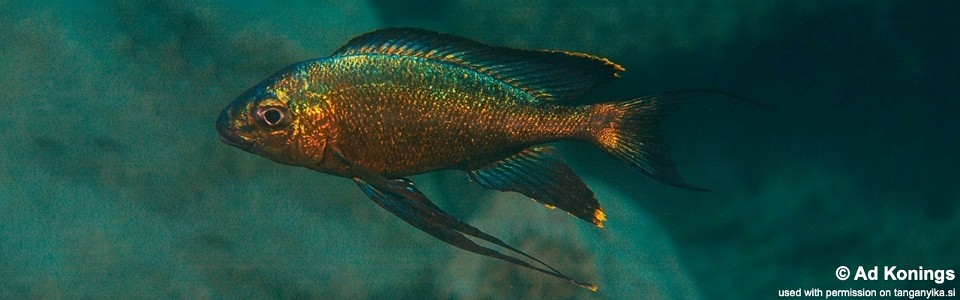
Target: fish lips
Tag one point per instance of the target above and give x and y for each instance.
(228, 135)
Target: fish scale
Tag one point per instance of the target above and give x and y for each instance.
(435, 120)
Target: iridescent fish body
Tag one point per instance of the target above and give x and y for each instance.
(400, 102)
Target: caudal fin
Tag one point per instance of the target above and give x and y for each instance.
(629, 132)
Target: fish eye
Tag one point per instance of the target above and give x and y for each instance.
(273, 116)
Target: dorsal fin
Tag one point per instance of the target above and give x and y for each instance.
(548, 75)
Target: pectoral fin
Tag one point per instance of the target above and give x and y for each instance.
(401, 198)
(541, 174)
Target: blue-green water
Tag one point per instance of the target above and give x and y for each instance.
(113, 182)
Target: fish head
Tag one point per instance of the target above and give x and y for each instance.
(277, 120)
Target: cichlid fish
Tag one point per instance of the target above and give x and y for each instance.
(399, 102)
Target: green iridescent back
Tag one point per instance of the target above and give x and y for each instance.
(402, 115)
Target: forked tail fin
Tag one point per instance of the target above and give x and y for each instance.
(628, 131)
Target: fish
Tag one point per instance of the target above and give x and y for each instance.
(405, 101)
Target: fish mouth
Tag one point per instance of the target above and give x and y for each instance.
(228, 136)
(235, 141)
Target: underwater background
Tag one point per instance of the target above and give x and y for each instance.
(113, 182)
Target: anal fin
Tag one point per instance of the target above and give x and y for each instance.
(540, 173)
